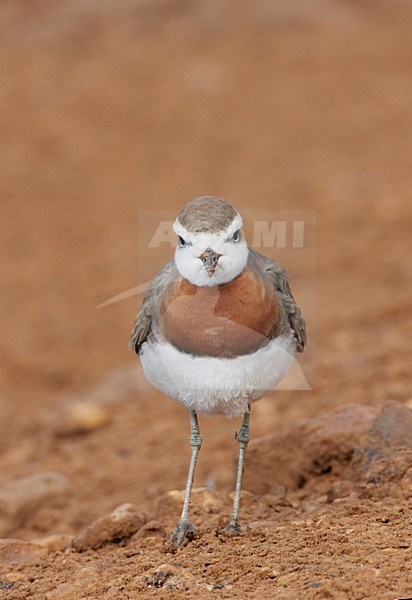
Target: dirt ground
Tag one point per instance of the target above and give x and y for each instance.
(113, 108)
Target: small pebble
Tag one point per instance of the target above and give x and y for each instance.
(82, 417)
(55, 543)
(22, 496)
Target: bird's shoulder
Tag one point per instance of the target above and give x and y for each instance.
(151, 305)
(280, 279)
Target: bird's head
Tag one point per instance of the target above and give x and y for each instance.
(211, 249)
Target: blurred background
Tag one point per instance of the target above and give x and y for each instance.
(110, 108)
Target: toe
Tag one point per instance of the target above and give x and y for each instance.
(233, 528)
(180, 533)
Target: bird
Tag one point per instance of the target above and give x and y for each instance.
(217, 329)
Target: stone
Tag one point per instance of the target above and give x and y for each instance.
(385, 452)
(121, 524)
(306, 449)
(55, 543)
(394, 425)
(20, 552)
(150, 529)
(81, 418)
(20, 497)
(274, 500)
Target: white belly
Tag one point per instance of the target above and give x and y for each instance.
(212, 385)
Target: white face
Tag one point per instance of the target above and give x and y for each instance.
(228, 243)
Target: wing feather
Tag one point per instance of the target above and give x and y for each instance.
(151, 305)
(281, 281)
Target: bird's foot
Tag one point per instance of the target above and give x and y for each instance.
(233, 528)
(180, 533)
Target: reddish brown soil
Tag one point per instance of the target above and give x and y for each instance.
(110, 108)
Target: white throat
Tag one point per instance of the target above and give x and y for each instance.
(233, 254)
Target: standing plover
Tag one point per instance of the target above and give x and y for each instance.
(217, 329)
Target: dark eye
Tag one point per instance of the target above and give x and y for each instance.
(236, 236)
(181, 241)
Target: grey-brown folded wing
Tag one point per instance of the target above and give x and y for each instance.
(280, 280)
(147, 316)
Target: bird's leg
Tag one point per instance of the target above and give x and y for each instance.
(184, 525)
(243, 439)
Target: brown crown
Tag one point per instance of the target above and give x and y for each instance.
(207, 213)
